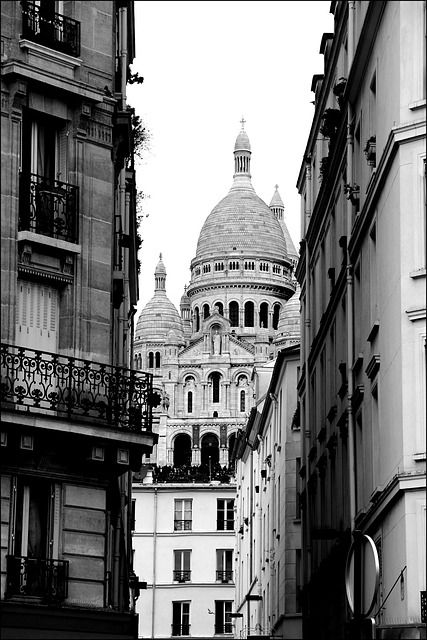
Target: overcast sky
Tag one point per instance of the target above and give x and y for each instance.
(205, 65)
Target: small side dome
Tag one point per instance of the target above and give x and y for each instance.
(288, 329)
(185, 300)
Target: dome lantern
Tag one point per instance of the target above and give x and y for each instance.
(242, 153)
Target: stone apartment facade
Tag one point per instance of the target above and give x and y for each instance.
(362, 277)
(76, 420)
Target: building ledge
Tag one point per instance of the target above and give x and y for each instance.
(418, 273)
(37, 238)
(418, 104)
(419, 457)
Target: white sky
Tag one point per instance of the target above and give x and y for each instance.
(205, 65)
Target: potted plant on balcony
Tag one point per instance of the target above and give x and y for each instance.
(370, 150)
(339, 90)
(330, 121)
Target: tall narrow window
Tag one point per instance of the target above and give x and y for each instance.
(224, 565)
(220, 307)
(249, 314)
(37, 316)
(182, 572)
(150, 360)
(190, 402)
(223, 622)
(196, 319)
(276, 315)
(157, 360)
(263, 315)
(183, 515)
(233, 312)
(242, 401)
(215, 378)
(180, 618)
(225, 514)
(206, 311)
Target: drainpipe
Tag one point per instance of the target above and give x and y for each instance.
(349, 269)
(307, 326)
(153, 605)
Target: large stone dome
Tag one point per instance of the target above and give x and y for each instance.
(241, 223)
(159, 320)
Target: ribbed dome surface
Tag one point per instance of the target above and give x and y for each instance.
(289, 321)
(241, 222)
(242, 142)
(157, 319)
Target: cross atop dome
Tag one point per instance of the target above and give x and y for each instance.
(243, 122)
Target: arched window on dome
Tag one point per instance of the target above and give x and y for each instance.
(242, 401)
(150, 360)
(190, 402)
(276, 314)
(249, 314)
(196, 319)
(136, 362)
(157, 360)
(206, 311)
(233, 313)
(263, 315)
(220, 307)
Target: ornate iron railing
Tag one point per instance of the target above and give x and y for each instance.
(49, 207)
(182, 525)
(41, 24)
(181, 576)
(226, 627)
(224, 576)
(42, 577)
(77, 389)
(180, 629)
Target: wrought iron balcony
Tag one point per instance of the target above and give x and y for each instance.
(224, 576)
(225, 525)
(49, 207)
(181, 576)
(42, 25)
(180, 629)
(76, 389)
(42, 577)
(182, 525)
(227, 627)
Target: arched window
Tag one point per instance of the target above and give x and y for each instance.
(205, 311)
(189, 379)
(150, 360)
(276, 314)
(157, 360)
(242, 401)
(263, 315)
(233, 312)
(220, 308)
(182, 450)
(190, 402)
(249, 314)
(215, 378)
(196, 319)
(209, 450)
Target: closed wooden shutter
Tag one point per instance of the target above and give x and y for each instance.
(37, 316)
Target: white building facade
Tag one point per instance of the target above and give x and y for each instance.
(202, 360)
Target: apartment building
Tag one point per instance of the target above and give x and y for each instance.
(76, 419)
(362, 277)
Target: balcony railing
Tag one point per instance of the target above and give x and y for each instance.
(182, 525)
(225, 525)
(76, 389)
(227, 627)
(49, 207)
(181, 576)
(53, 30)
(41, 577)
(180, 629)
(224, 576)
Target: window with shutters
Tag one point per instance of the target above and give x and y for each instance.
(180, 618)
(223, 623)
(224, 565)
(33, 566)
(37, 316)
(183, 515)
(182, 571)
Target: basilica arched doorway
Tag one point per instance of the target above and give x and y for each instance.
(182, 450)
(209, 450)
